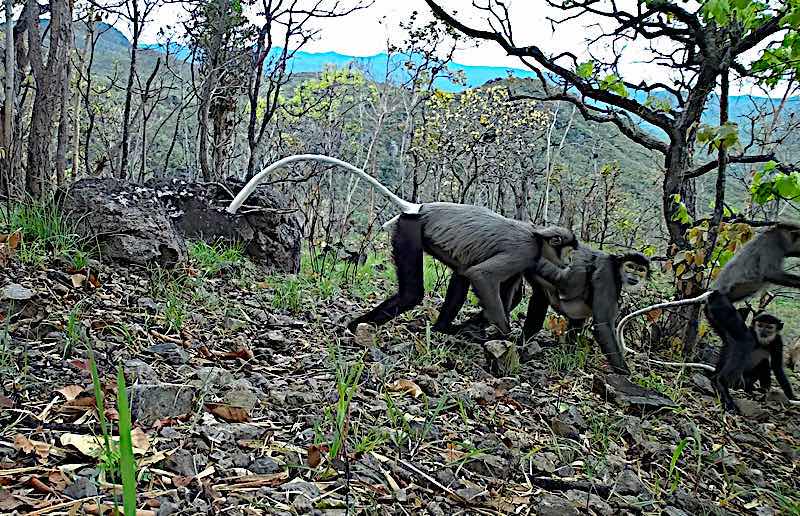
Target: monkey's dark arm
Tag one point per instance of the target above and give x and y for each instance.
(776, 360)
(550, 272)
(785, 279)
(604, 315)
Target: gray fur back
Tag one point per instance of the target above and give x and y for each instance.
(471, 234)
(753, 255)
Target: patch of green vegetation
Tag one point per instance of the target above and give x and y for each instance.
(673, 389)
(288, 293)
(73, 330)
(436, 276)
(334, 430)
(45, 232)
(430, 351)
(8, 366)
(175, 311)
(603, 430)
(213, 258)
(116, 460)
(571, 355)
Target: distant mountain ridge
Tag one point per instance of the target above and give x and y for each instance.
(378, 66)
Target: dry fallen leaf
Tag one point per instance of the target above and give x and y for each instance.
(88, 445)
(8, 502)
(181, 481)
(229, 413)
(313, 455)
(78, 280)
(70, 392)
(653, 315)
(6, 402)
(26, 445)
(92, 446)
(406, 386)
(139, 440)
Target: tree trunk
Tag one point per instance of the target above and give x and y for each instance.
(10, 102)
(62, 142)
(48, 81)
(126, 114)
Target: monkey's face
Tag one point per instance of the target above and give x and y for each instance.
(565, 255)
(633, 276)
(765, 332)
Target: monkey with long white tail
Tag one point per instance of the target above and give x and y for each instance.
(757, 264)
(478, 244)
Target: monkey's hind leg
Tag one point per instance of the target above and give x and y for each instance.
(407, 254)
(486, 278)
(738, 343)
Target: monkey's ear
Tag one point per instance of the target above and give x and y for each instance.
(555, 241)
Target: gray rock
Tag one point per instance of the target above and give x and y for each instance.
(300, 487)
(703, 383)
(214, 377)
(552, 505)
(127, 220)
(167, 507)
(241, 396)
(270, 233)
(544, 461)
(302, 505)
(139, 371)
(479, 391)
(81, 487)
(752, 409)
(151, 402)
(182, 463)
(673, 511)
(16, 292)
(628, 483)
(148, 304)
(265, 466)
(170, 352)
(581, 500)
(623, 392)
(299, 398)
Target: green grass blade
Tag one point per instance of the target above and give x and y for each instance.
(98, 399)
(127, 462)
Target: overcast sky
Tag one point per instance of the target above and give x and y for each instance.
(363, 34)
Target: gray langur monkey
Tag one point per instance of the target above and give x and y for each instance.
(590, 286)
(758, 264)
(766, 359)
(475, 242)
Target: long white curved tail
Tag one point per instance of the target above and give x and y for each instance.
(625, 320)
(233, 207)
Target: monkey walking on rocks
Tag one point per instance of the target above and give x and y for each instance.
(478, 244)
(758, 264)
(590, 287)
(767, 357)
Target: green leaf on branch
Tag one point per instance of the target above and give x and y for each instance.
(585, 70)
(614, 84)
(681, 212)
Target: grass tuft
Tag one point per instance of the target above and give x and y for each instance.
(213, 258)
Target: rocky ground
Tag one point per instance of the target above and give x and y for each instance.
(249, 398)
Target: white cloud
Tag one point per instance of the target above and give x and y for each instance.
(366, 32)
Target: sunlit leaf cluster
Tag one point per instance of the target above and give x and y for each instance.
(769, 184)
(694, 264)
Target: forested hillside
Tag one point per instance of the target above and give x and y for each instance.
(559, 288)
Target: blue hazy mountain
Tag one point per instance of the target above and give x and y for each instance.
(380, 66)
